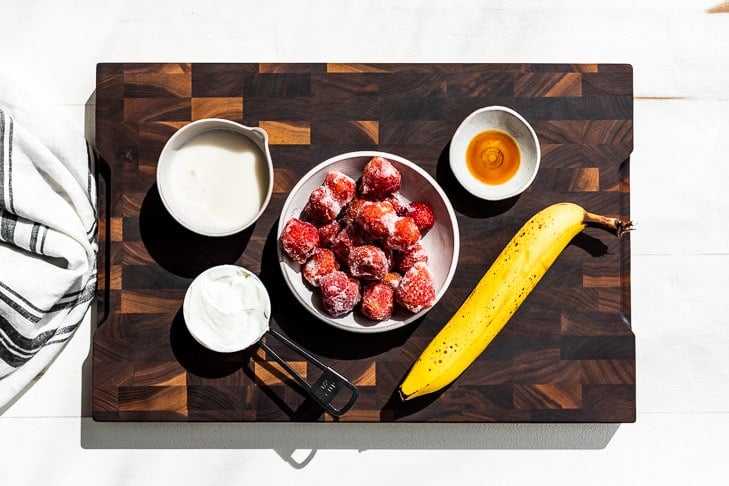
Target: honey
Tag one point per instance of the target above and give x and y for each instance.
(493, 157)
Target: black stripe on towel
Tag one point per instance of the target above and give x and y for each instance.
(34, 237)
(9, 357)
(21, 305)
(7, 226)
(43, 241)
(23, 345)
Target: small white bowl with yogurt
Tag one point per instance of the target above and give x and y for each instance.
(215, 176)
(227, 308)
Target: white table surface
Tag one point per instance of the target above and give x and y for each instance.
(680, 253)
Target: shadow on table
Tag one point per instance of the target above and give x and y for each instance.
(286, 438)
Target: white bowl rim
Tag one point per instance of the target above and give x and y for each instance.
(480, 190)
(389, 326)
(201, 126)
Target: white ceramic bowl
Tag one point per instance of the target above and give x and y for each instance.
(441, 241)
(227, 308)
(505, 120)
(215, 176)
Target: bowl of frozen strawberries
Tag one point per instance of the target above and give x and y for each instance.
(368, 241)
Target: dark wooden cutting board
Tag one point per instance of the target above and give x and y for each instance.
(568, 355)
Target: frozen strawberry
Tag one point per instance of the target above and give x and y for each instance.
(392, 279)
(376, 218)
(343, 243)
(349, 215)
(342, 186)
(323, 206)
(417, 288)
(378, 301)
(321, 263)
(409, 257)
(368, 262)
(339, 292)
(299, 239)
(398, 202)
(403, 235)
(379, 178)
(327, 233)
(422, 214)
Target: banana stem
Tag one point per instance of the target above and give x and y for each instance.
(615, 225)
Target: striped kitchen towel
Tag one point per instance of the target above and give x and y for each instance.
(47, 237)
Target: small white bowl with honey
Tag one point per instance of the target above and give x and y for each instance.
(495, 153)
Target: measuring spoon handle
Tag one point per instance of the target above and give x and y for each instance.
(329, 384)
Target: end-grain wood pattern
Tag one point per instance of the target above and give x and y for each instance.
(568, 355)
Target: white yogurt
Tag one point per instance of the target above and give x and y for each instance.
(227, 308)
(217, 181)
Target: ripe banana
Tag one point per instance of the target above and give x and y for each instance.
(499, 293)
